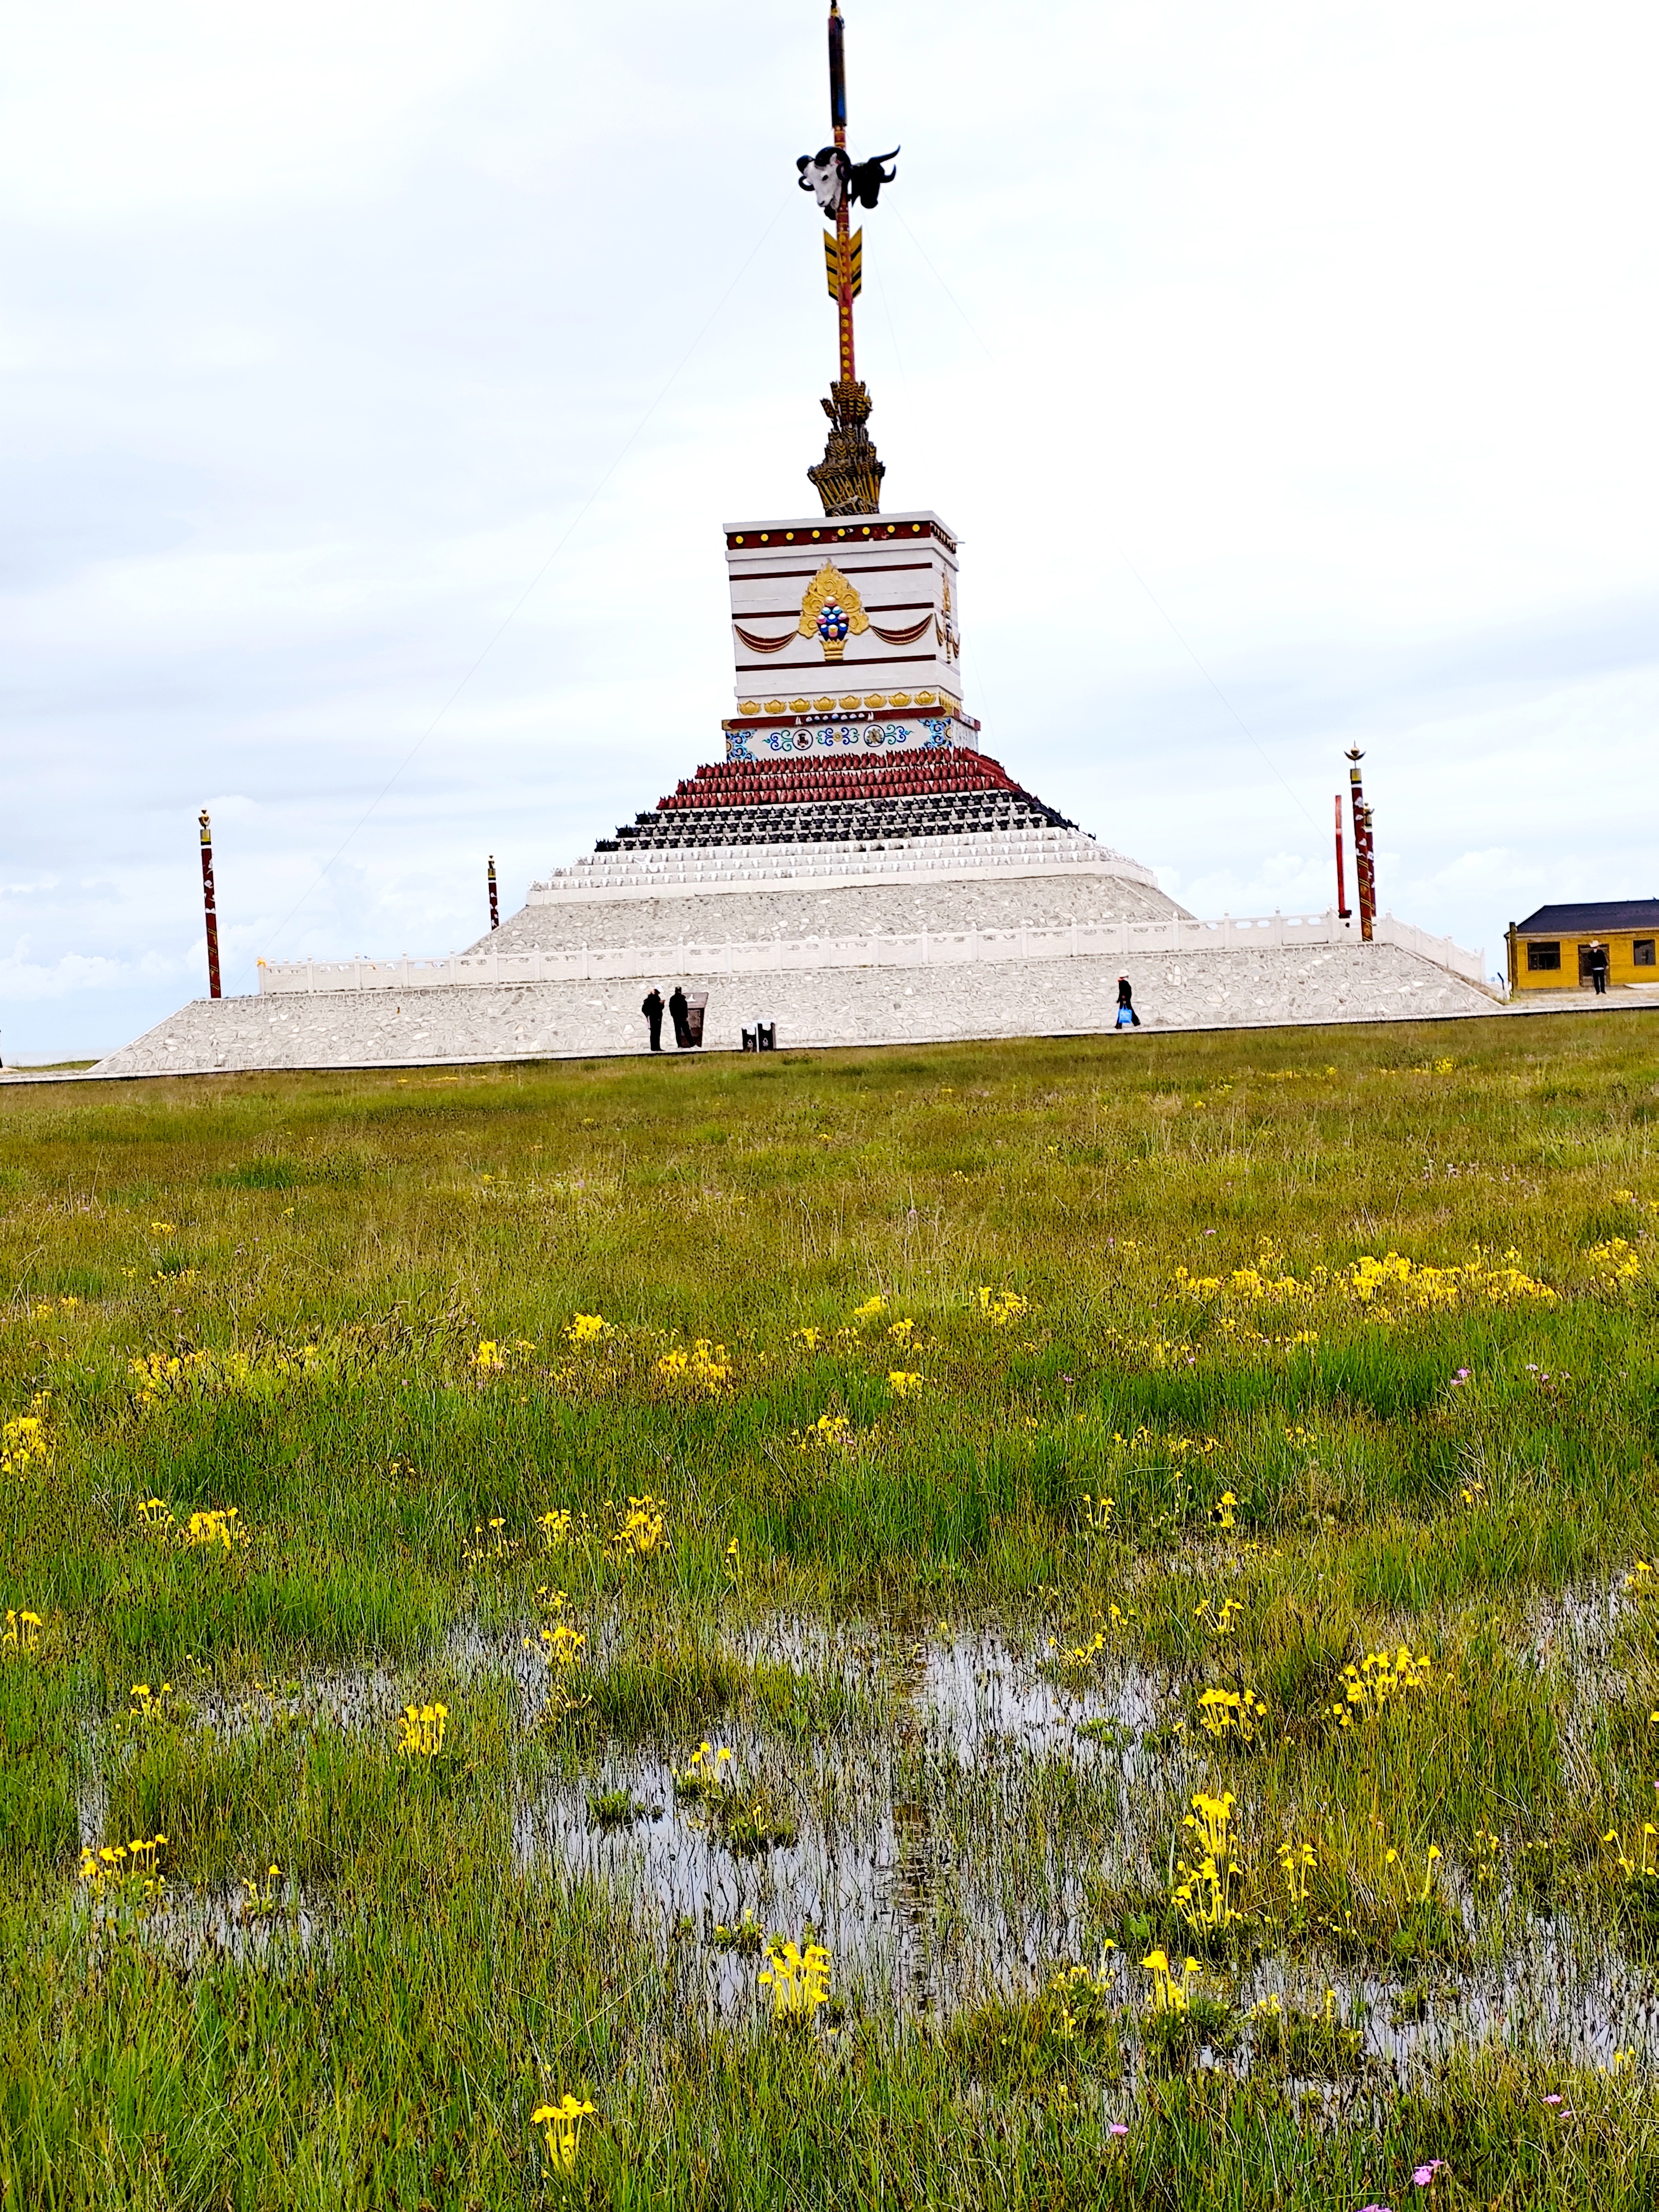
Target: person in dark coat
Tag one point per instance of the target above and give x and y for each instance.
(1126, 1016)
(678, 1008)
(1598, 968)
(651, 1009)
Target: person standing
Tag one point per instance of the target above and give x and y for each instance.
(1126, 1017)
(1598, 968)
(651, 1009)
(678, 1007)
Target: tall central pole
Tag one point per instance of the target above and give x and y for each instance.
(843, 211)
(848, 478)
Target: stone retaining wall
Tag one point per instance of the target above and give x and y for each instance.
(1200, 989)
(1039, 899)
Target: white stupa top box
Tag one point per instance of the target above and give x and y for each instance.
(856, 619)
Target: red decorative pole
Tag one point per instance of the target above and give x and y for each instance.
(214, 990)
(1343, 910)
(1364, 864)
(495, 910)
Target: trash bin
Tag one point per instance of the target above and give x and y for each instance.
(766, 1036)
(696, 1005)
(751, 1039)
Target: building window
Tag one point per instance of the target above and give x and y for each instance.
(1543, 956)
(1641, 952)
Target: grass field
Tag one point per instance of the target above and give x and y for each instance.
(1039, 1626)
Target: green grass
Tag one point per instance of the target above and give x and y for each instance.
(964, 1696)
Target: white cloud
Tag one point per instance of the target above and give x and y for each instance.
(21, 978)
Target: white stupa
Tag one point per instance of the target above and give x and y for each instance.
(851, 865)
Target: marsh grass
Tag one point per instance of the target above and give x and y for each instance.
(1183, 1426)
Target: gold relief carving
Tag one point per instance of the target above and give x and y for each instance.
(925, 699)
(749, 706)
(775, 706)
(831, 610)
(875, 698)
(900, 699)
(798, 706)
(823, 705)
(849, 699)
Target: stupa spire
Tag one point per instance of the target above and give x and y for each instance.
(848, 478)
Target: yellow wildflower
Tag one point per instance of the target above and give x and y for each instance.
(799, 1979)
(421, 1731)
(561, 2125)
(24, 1444)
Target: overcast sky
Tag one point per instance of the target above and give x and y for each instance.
(377, 379)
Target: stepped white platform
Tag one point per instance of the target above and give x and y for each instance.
(389, 1020)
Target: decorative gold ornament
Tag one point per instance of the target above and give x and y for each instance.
(843, 263)
(798, 706)
(749, 706)
(848, 478)
(875, 698)
(822, 706)
(901, 698)
(849, 699)
(925, 699)
(830, 611)
(775, 706)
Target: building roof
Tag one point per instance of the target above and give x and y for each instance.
(1593, 917)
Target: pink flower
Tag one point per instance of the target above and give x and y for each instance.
(1555, 2100)
(1118, 2128)
(1425, 2174)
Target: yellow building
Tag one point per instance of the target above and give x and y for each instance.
(1559, 948)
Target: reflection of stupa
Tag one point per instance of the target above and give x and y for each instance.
(855, 869)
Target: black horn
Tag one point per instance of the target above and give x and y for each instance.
(865, 179)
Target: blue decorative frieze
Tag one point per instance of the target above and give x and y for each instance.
(924, 733)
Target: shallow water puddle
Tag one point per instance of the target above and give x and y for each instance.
(900, 1861)
(945, 1852)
